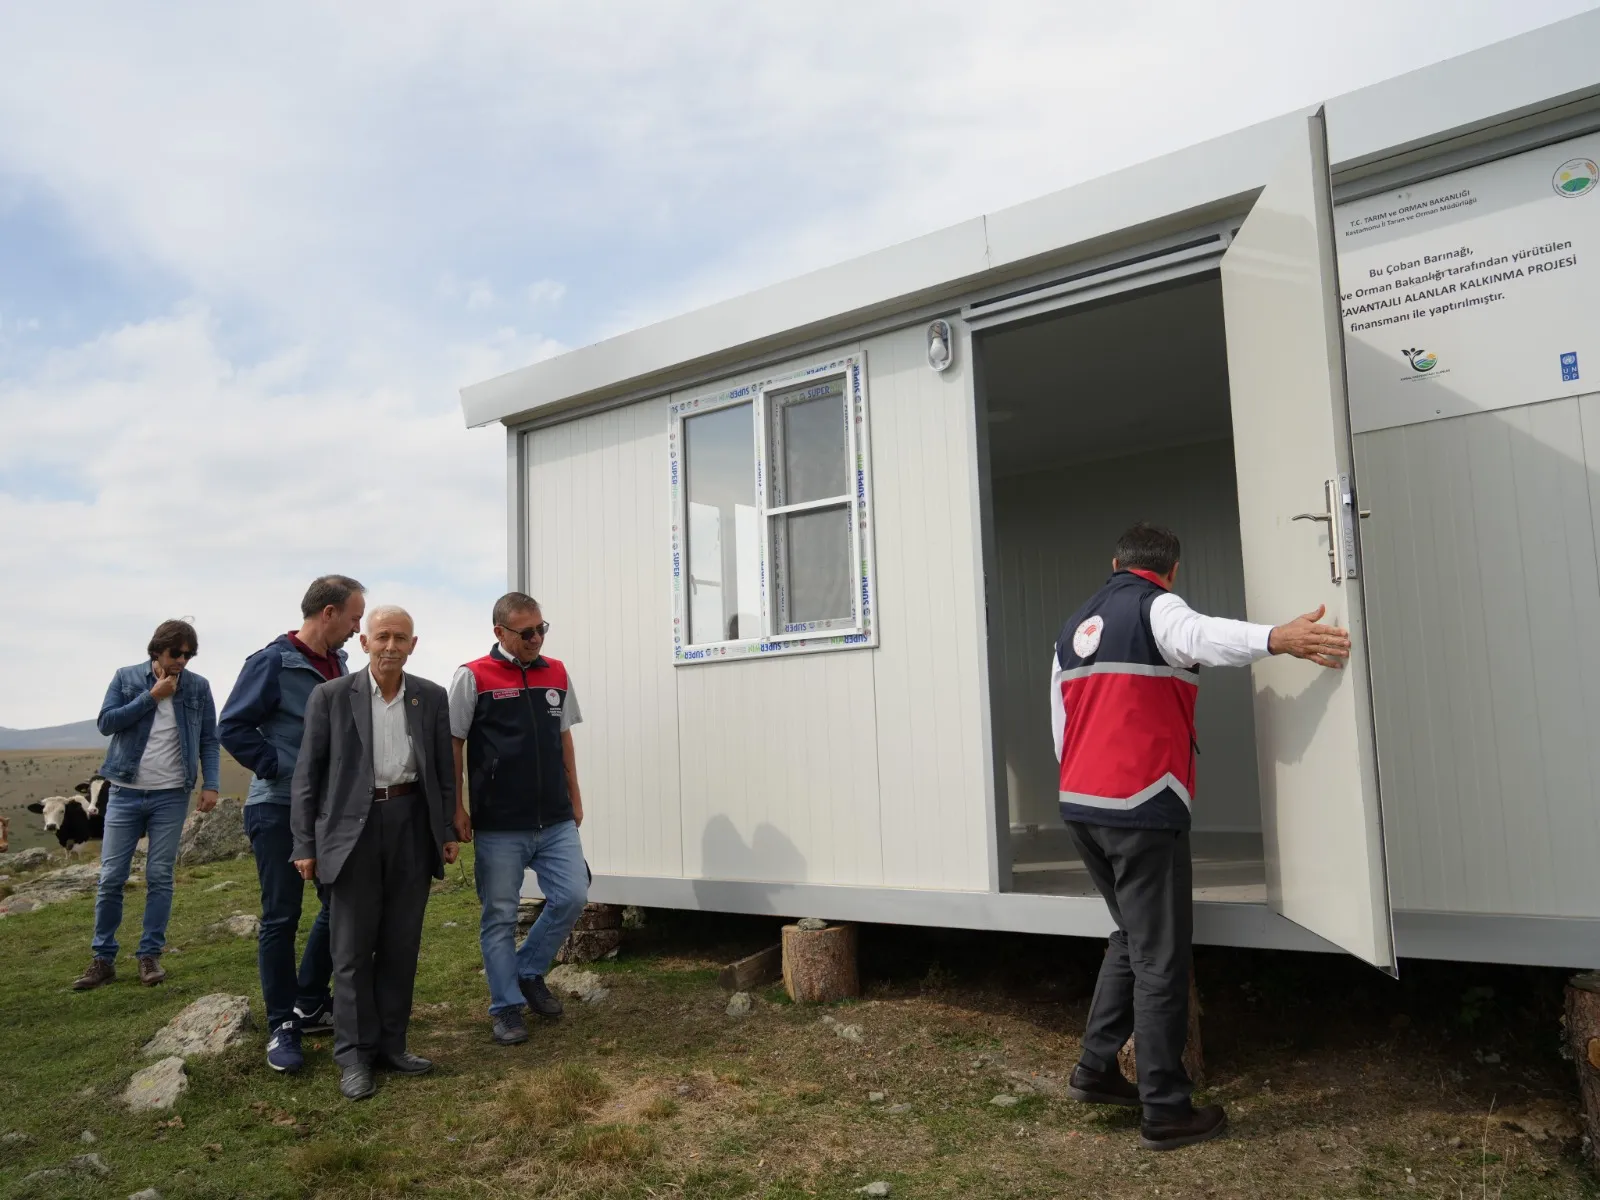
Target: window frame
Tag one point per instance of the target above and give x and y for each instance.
(860, 629)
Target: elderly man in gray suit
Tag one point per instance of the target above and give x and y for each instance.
(372, 810)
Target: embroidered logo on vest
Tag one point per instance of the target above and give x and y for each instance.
(552, 697)
(1087, 639)
(505, 693)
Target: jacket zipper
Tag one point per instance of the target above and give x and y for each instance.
(538, 751)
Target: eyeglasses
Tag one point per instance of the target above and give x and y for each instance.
(533, 631)
(184, 654)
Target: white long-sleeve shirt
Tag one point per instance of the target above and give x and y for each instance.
(1186, 639)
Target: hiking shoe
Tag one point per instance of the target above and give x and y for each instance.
(509, 1027)
(283, 1048)
(1200, 1125)
(101, 970)
(319, 1021)
(1102, 1087)
(357, 1082)
(150, 970)
(539, 997)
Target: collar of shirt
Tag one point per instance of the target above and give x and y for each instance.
(496, 652)
(1158, 580)
(377, 692)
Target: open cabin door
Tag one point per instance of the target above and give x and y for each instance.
(1321, 822)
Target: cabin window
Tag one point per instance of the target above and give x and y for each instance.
(771, 544)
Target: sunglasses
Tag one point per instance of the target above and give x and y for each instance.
(532, 631)
(183, 654)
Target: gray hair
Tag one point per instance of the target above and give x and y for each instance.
(374, 615)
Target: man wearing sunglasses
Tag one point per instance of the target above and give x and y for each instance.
(163, 728)
(511, 716)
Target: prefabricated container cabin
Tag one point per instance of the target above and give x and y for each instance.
(807, 551)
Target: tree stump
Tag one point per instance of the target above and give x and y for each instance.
(1194, 1059)
(819, 965)
(1583, 1037)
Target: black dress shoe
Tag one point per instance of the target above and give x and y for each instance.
(405, 1063)
(357, 1083)
(539, 997)
(1102, 1087)
(1201, 1125)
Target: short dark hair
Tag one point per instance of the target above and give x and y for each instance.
(173, 635)
(1148, 548)
(326, 590)
(512, 602)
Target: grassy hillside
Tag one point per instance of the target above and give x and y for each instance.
(1340, 1082)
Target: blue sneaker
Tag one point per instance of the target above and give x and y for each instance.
(283, 1048)
(318, 1021)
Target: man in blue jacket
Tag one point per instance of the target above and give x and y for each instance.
(261, 727)
(163, 729)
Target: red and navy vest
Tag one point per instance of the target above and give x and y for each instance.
(516, 772)
(1124, 717)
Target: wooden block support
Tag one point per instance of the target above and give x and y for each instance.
(1583, 1038)
(752, 972)
(819, 965)
(1194, 1059)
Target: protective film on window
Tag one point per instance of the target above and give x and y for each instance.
(771, 540)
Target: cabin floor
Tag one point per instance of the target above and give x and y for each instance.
(1227, 866)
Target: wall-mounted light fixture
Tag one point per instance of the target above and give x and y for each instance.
(941, 347)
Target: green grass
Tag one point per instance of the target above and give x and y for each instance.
(656, 1092)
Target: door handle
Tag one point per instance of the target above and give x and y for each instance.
(1337, 516)
(1312, 517)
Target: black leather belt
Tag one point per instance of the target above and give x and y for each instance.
(395, 792)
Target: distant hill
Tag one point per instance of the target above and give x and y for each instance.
(80, 735)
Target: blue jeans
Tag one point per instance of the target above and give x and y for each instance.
(130, 815)
(282, 892)
(501, 856)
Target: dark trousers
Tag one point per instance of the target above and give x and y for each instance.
(282, 891)
(376, 905)
(1147, 880)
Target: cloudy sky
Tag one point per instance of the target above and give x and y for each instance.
(248, 253)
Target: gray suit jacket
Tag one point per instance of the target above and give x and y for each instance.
(332, 790)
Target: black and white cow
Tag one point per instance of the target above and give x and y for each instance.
(72, 820)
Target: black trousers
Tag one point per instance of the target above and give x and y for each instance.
(1147, 880)
(375, 910)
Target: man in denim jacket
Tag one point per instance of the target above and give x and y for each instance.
(163, 729)
(261, 727)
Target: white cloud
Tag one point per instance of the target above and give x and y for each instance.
(353, 198)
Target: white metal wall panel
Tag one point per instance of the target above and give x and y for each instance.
(780, 770)
(1055, 531)
(930, 668)
(598, 525)
(1484, 595)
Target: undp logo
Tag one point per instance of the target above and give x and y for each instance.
(1421, 360)
(1575, 177)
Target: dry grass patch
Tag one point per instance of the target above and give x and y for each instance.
(610, 1146)
(331, 1162)
(555, 1098)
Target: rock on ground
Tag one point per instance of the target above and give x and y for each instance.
(157, 1086)
(147, 1194)
(585, 985)
(1543, 1120)
(208, 1026)
(25, 860)
(1004, 1101)
(596, 935)
(879, 1188)
(52, 888)
(739, 1004)
(238, 925)
(213, 836)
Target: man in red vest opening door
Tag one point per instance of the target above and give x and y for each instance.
(1122, 693)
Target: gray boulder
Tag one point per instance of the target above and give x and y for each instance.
(158, 1086)
(25, 860)
(52, 888)
(208, 1026)
(214, 836)
(240, 925)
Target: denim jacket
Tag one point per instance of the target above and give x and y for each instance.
(264, 718)
(129, 711)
